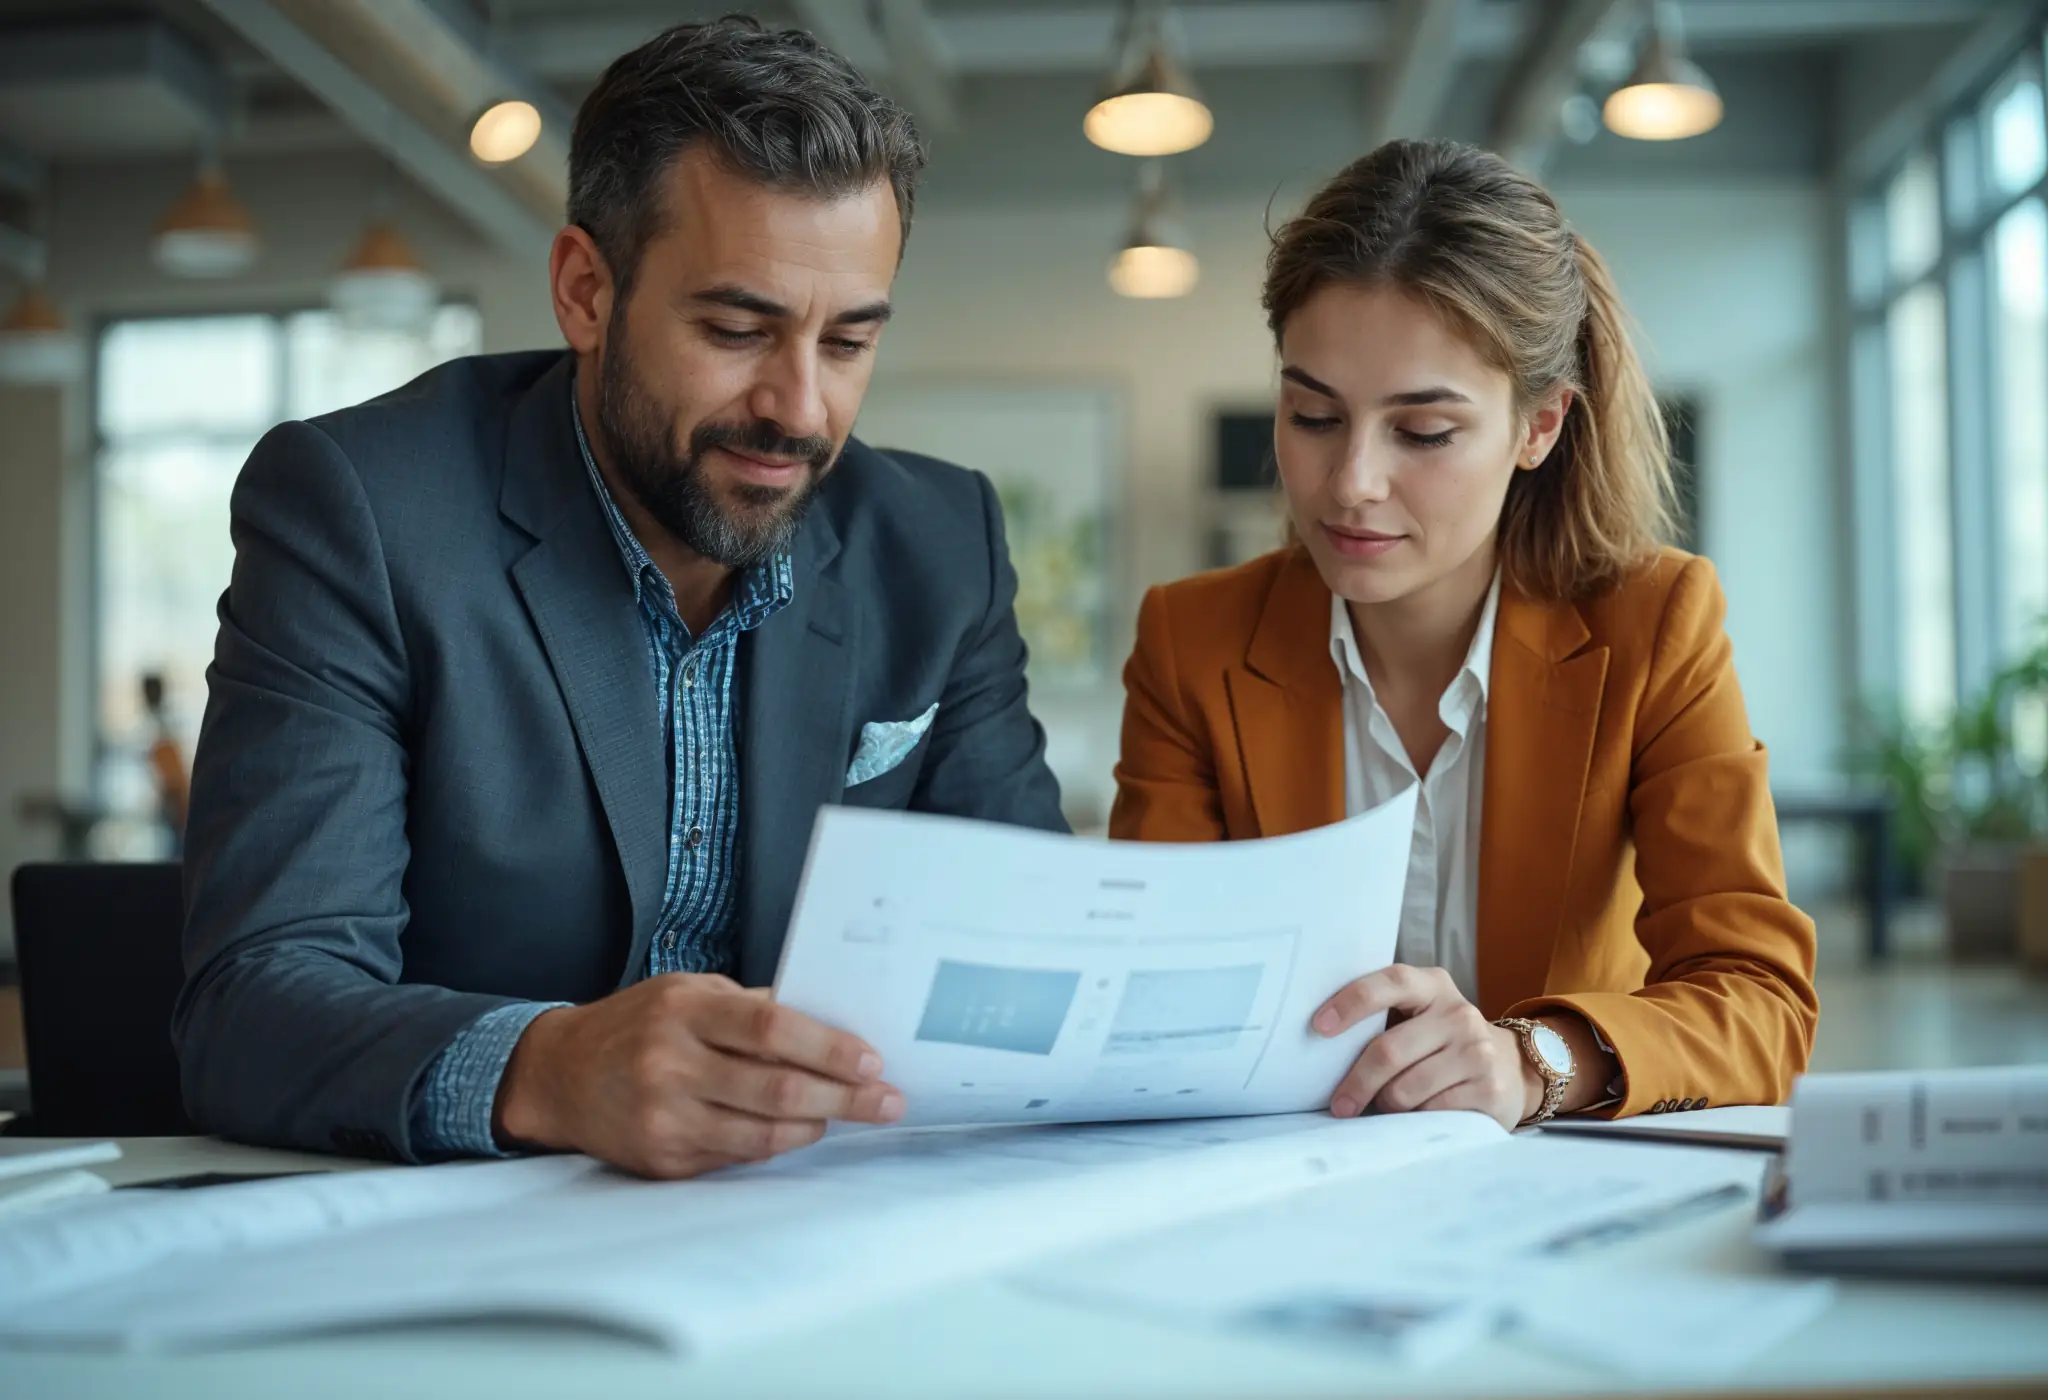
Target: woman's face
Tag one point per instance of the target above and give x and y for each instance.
(1396, 442)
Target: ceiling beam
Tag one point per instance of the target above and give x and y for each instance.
(1422, 58)
(118, 49)
(481, 45)
(896, 46)
(1525, 118)
(1072, 36)
(1949, 78)
(1715, 23)
(22, 253)
(842, 26)
(919, 65)
(465, 187)
(441, 52)
(21, 172)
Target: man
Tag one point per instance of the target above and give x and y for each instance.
(533, 675)
(166, 760)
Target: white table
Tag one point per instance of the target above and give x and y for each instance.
(990, 1339)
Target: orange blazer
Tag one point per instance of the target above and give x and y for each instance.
(1629, 867)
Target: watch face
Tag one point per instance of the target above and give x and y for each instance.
(1550, 1045)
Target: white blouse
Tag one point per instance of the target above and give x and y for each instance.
(1440, 906)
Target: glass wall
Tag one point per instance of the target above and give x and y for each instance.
(2020, 287)
(1949, 279)
(180, 401)
(1923, 546)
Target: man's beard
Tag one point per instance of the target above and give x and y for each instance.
(671, 486)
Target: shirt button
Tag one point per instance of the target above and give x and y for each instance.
(696, 837)
(689, 675)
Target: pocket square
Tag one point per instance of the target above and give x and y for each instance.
(885, 744)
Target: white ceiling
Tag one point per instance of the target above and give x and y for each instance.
(1296, 84)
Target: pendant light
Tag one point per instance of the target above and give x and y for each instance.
(1155, 261)
(1667, 97)
(207, 233)
(1150, 106)
(36, 346)
(383, 285)
(504, 131)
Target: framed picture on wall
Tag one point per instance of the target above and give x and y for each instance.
(1247, 516)
(1055, 454)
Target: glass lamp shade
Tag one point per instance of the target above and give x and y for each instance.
(1667, 98)
(383, 285)
(1154, 111)
(1153, 271)
(36, 347)
(504, 131)
(207, 233)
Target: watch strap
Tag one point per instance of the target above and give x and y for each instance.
(1554, 1082)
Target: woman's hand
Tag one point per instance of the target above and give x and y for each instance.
(1439, 1053)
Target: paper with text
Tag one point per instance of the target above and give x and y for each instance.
(1007, 975)
(1523, 1230)
(718, 1262)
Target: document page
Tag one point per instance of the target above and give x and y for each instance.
(717, 1262)
(1014, 976)
(52, 1253)
(1435, 1252)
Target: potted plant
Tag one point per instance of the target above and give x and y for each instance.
(1972, 812)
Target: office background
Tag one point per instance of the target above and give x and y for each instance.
(1840, 289)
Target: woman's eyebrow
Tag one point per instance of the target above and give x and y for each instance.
(1414, 398)
(1409, 398)
(1309, 382)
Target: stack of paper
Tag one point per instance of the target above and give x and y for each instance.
(1435, 1255)
(716, 1262)
(1935, 1173)
(34, 1173)
(1410, 1234)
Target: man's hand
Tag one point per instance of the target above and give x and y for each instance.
(685, 1073)
(1443, 1053)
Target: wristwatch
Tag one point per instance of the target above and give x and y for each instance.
(1545, 1049)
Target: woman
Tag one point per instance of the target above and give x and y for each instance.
(1474, 600)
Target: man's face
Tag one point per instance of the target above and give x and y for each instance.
(731, 374)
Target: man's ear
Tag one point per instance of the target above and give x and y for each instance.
(582, 287)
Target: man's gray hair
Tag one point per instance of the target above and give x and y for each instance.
(775, 105)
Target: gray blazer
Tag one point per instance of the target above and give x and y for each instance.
(431, 777)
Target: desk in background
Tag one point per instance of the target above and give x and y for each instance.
(1867, 813)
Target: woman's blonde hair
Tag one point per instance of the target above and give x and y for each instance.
(1487, 249)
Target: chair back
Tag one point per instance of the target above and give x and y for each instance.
(98, 947)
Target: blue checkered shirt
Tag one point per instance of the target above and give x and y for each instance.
(695, 684)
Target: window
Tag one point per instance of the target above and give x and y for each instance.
(180, 402)
(1948, 275)
(2020, 277)
(1912, 218)
(1917, 345)
(2018, 144)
